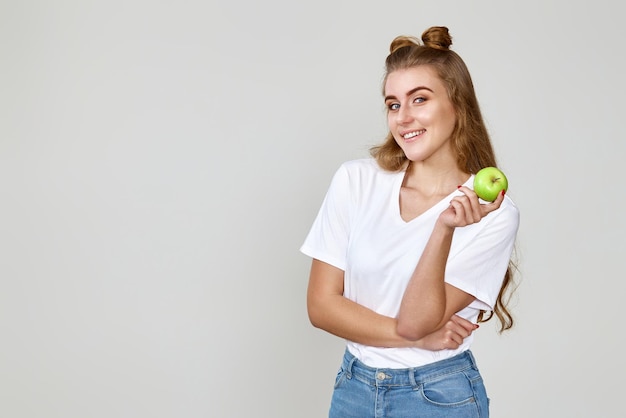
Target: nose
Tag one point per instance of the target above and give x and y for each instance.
(403, 115)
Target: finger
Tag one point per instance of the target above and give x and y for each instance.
(457, 332)
(468, 192)
(474, 204)
(481, 210)
(464, 323)
(470, 202)
(490, 207)
(500, 198)
(463, 209)
(459, 212)
(455, 338)
(470, 212)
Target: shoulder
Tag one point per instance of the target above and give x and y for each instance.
(506, 217)
(364, 169)
(361, 177)
(365, 175)
(510, 209)
(361, 165)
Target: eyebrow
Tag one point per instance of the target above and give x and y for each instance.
(410, 92)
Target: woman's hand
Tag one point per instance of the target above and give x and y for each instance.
(450, 336)
(466, 209)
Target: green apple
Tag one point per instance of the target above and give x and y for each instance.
(488, 182)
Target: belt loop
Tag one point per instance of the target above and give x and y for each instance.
(349, 368)
(471, 359)
(412, 380)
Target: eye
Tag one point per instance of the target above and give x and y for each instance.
(393, 106)
(419, 99)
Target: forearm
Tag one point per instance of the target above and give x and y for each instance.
(331, 311)
(349, 320)
(423, 308)
(356, 323)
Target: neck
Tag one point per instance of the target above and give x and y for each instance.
(433, 180)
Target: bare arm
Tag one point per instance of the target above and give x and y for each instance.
(329, 310)
(429, 302)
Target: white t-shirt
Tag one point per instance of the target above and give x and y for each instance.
(359, 230)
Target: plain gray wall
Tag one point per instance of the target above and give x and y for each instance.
(162, 162)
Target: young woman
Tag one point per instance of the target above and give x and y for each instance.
(406, 258)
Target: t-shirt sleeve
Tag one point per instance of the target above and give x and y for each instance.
(327, 239)
(479, 265)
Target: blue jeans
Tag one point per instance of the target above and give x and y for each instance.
(451, 388)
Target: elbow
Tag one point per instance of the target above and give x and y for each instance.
(412, 331)
(314, 320)
(315, 315)
(408, 332)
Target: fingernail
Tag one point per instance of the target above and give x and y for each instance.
(503, 192)
(458, 187)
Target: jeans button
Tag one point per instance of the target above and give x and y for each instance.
(380, 376)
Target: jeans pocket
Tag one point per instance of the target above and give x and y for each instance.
(453, 389)
(341, 376)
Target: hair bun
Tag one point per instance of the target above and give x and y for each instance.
(437, 37)
(402, 41)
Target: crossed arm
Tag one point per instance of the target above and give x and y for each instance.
(427, 313)
(329, 310)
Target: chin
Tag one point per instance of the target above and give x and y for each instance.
(414, 157)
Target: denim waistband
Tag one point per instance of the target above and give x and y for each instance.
(413, 376)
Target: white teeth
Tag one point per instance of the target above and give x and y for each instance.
(412, 134)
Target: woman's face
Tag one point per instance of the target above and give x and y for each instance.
(420, 115)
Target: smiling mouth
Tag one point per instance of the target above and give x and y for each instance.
(413, 134)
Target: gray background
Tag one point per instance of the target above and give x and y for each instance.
(161, 163)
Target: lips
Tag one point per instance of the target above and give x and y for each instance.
(413, 134)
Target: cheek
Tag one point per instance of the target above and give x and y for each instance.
(451, 124)
(392, 125)
(446, 119)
